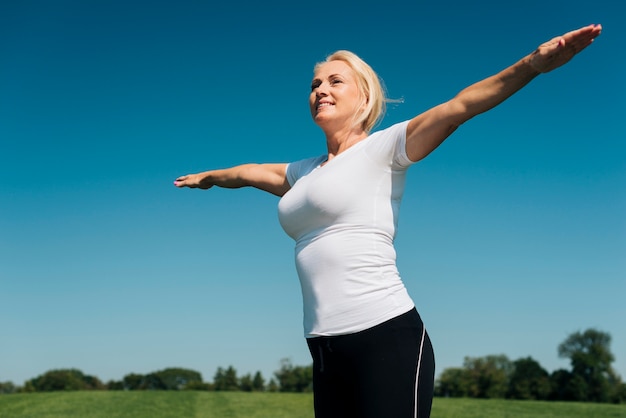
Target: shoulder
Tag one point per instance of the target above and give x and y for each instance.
(397, 131)
(390, 145)
(301, 168)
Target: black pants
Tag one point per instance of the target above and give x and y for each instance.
(387, 371)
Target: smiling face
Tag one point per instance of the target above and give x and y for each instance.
(335, 96)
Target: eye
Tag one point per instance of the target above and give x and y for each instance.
(315, 84)
(335, 81)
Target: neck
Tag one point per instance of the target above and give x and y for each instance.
(339, 141)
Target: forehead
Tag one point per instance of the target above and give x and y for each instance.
(337, 67)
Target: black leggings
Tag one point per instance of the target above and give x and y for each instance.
(387, 371)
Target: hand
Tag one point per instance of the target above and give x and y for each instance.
(561, 49)
(194, 181)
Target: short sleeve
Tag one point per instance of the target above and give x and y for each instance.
(389, 146)
(400, 157)
(299, 169)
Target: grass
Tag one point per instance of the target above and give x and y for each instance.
(156, 404)
(499, 408)
(190, 404)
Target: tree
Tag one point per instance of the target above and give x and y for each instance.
(173, 378)
(528, 380)
(488, 377)
(7, 387)
(248, 383)
(566, 386)
(218, 378)
(453, 383)
(258, 383)
(115, 385)
(272, 386)
(132, 381)
(226, 380)
(590, 356)
(245, 383)
(176, 378)
(294, 378)
(64, 380)
(152, 381)
(617, 393)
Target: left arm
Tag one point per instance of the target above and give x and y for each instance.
(428, 130)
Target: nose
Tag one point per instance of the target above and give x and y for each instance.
(321, 90)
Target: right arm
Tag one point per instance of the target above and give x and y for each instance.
(428, 130)
(271, 178)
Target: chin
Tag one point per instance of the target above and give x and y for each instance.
(320, 121)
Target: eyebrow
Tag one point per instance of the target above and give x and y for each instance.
(330, 76)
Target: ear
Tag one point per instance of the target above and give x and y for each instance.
(365, 98)
(364, 104)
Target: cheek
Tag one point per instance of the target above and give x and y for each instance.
(312, 104)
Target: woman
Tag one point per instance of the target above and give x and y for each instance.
(371, 354)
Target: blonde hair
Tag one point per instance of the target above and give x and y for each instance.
(370, 86)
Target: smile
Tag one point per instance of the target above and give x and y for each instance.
(324, 104)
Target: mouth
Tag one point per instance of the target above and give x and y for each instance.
(322, 105)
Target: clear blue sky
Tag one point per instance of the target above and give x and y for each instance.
(512, 234)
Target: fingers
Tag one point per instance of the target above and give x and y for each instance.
(590, 30)
(193, 181)
(561, 49)
(581, 38)
(181, 181)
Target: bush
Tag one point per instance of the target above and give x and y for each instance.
(7, 387)
(64, 380)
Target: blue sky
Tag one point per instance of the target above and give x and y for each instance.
(512, 234)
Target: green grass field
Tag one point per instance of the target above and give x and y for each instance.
(190, 404)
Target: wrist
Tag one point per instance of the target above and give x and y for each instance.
(530, 64)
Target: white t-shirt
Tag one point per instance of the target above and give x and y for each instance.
(343, 216)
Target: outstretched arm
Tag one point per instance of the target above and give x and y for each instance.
(268, 177)
(428, 130)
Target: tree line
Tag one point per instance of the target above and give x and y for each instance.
(591, 378)
(288, 378)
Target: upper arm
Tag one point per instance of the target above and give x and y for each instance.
(428, 130)
(270, 177)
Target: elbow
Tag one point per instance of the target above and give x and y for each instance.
(458, 112)
(245, 174)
